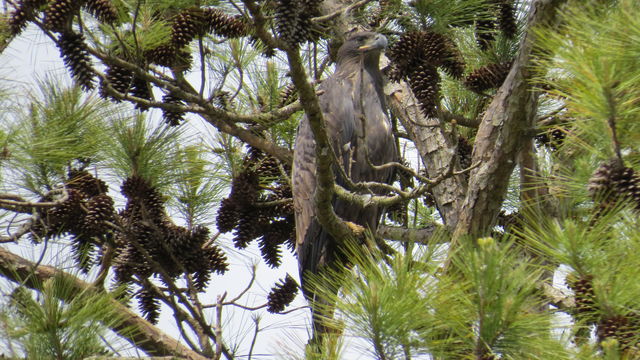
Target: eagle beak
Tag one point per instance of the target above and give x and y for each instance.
(378, 43)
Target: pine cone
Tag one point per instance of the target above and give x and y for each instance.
(288, 95)
(223, 100)
(424, 48)
(24, 11)
(217, 260)
(86, 183)
(282, 295)
(134, 187)
(142, 89)
(407, 53)
(171, 117)
(464, 152)
(168, 55)
(274, 235)
(268, 167)
(507, 19)
(103, 10)
(602, 183)
(582, 287)
(58, 15)
(149, 305)
(227, 215)
(120, 80)
(425, 84)
(627, 185)
(67, 216)
(186, 26)
(248, 228)
(624, 329)
(76, 57)
(485, 32)
(292, 18)
(224, 25)
(99, 209)
(245, 187)
(488, 77)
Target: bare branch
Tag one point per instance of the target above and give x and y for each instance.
(340, 11)
(15, 203)
(402, 234)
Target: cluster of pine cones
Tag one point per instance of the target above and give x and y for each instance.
(259, 207)
(612, 182)
(417, 55)
(57, 16)
(83, 216)
(145, 240)
(501, 16)
(623, 328)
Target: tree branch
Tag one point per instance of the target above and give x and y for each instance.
(502, 131)
(435, 147)
(420, 236)
(135, 329)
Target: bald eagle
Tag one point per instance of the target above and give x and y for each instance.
(355, 114)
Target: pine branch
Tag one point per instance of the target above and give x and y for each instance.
(135, 329)
(420, 236)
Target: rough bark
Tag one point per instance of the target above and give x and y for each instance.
(135, 329)
(503, 131)
(435, 147)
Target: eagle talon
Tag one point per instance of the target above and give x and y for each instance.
(356, 229)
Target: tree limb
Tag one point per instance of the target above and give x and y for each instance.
(502, 131)
(420, 236)
(435, 147)
(135, 329)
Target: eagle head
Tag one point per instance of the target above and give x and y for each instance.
(365, 43)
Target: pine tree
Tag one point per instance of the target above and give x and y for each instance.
(146, 197)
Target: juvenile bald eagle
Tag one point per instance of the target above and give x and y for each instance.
(355, 115)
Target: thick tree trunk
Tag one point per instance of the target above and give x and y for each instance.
(436, 149)
(503, 131)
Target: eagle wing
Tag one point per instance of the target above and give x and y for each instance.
(354, 111)
(338, 112)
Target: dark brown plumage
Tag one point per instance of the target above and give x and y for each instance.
(354, 110)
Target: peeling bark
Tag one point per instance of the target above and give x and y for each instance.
(435, 147)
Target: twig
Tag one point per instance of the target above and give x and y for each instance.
(256, 320)
(218, 327)
(24, 229)
(14, 202)
(341, 11)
